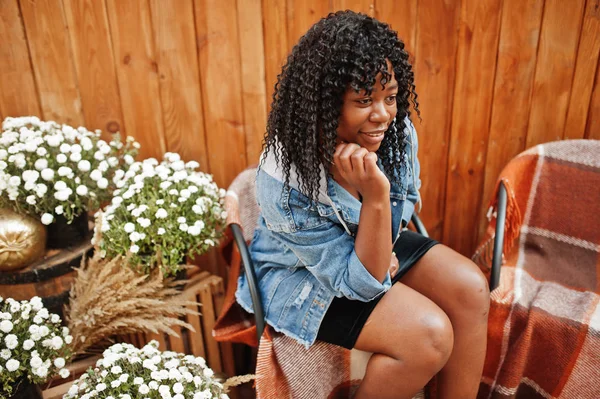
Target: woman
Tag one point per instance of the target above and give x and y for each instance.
(337, 184)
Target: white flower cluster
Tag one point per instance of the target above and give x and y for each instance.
(32, 342)
(161, 212)
(126, 372)
(47, 169)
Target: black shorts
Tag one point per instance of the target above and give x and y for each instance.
(345, 317)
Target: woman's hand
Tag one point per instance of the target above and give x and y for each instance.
(394, 265)
(359, 168)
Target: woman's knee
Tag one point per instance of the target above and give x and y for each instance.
(432, 346)
(438, 340)
(471, 291)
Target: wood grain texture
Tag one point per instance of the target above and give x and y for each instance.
(220, 71)
(252, 58)
(585, 69)
(179, 80)
(52, 60)
(18, 94)
(513, 85)
(592, 129)
(472, 105)
(401, 15)
(436, 45)
(137, 72)
(94, 65)
(301, 15)
(276, 43)
(554, 70)
(364, 6)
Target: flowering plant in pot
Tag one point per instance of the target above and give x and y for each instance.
(33, 345)
(125, 371)
(161, 213)
(57, 173)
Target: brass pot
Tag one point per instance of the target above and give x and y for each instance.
(22, 240)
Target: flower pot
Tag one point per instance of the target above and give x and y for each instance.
(25, 389)
(62, 234)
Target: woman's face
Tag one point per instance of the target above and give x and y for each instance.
(365, 118)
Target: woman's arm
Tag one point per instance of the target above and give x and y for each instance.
(373, 245)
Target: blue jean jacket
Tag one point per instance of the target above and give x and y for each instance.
(304, 253)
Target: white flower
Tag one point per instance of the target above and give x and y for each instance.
(30, 199)
(6, 326)
(103, 166)
(64, 171)
(134, 249)
(47, 174)
(35, 362)
(181, 219)
(64, 373)
(75, 156)
(60, 185)
(194, 230)
(42, 371)
(59, 210)
(41, 189)
(138, 381)
(129, 227)
(177, 387)
(115, 383)
(161, 213)
(63, 195)
(81, 190)
(183, 227)
(5, 354)
(47, 218)
(57, 343)
(28, 344)
(173, 192)
(144, 222)
(41, 151)
(208, 372)
(64, 147)
(12, 365)
(102, 183)
(11, 341)
(160, 231)
(116, 369)
(59, 362)
(144, 389)
(44, 330)
(101, 387)
(134, 236)
(84, 165)
(128, 159)
(68, 339)
(96, 175)
(14, 181)
(41, 164)
(61, 158)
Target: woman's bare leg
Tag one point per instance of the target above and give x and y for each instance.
(457, 286)
(411, 338)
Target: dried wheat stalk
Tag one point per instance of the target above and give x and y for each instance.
(108, 298)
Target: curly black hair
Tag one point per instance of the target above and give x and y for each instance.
(344, 49)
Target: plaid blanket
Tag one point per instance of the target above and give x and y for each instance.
(285, 368)
(544, 322)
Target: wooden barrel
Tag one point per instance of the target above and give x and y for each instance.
(50, 278)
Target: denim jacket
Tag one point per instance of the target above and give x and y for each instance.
(303, 252)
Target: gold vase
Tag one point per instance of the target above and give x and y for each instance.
(22, 240)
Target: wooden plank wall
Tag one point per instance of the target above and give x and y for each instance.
(196, 77)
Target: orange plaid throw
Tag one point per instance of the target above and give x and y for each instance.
(544, 323)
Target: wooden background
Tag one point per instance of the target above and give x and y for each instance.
(494, 77)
